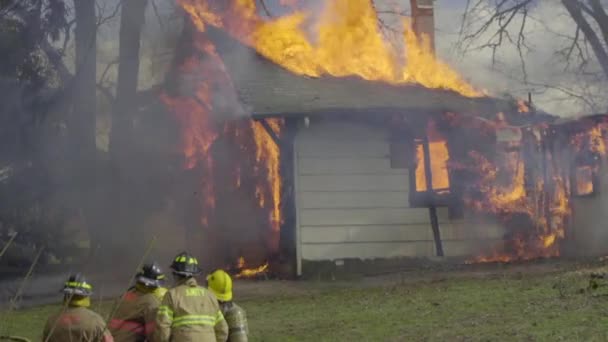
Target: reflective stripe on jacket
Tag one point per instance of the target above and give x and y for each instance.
(190, 313)
(134, 320)
(76, 324)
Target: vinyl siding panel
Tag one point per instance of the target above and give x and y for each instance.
(369, 182)
(354, 200)
(348, 166)
(351, 204)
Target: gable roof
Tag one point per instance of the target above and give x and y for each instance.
(267, 89)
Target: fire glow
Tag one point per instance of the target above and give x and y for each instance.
(244, 272)
(343, 40)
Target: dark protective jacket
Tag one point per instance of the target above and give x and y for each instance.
(134, 320)
(237, 322)
(76, 324)
(190, 313)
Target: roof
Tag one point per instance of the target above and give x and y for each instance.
(579, 119)
(267, 89)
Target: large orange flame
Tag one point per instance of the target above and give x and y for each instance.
(343, 40)
(193, 112)
(245, 272)
(268, 154)
(504, 194)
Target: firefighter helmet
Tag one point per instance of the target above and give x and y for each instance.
(77, 285)
(185, 265)
(220, 283)
(151, 275)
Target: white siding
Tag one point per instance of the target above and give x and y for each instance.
(352, 204)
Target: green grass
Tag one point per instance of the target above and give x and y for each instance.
(503, 308)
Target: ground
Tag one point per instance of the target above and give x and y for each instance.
(547, 301)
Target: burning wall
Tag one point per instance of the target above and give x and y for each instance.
(583, 151)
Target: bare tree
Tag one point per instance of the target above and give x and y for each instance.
(131, 24)
(507, 24)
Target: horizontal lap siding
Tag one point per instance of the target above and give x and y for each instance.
(353, 200)
(347, 166)
(352, 204)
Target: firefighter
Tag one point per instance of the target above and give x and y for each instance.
(189, 312)
(220, 283)
(135, 317)
(76, 322)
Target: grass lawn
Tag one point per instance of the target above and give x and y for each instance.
(501, 307)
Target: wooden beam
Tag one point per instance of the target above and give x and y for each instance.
(287, 239)
(429, 189)
(270, 131)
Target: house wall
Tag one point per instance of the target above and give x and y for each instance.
(589, 217)
(350, 203)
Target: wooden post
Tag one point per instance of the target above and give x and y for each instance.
(270, 132)
(287, 241)
(429, 189)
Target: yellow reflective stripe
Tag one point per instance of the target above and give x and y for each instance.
(75, 284)
(165, 311)
(194, 320)
(188, 260)
(187, 317)
(219, 317)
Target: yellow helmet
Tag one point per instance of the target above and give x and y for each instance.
(220, 284)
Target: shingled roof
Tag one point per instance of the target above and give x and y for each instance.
(267, 89)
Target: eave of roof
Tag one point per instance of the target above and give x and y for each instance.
(267, 90)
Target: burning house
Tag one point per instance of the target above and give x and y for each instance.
(360, 155)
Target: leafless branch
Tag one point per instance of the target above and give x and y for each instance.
(102, 78)
(101, 19)
(56, 60)
(265, 8)
(599, 14)
(67, 35)
(106, 92)
(574, 8)
(496, 24)
(157, 14)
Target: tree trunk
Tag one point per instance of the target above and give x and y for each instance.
(575, 11)
(127, 178)
(85, 95)
(131, 24)
(81, 121)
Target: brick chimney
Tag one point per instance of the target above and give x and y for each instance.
(423, 20)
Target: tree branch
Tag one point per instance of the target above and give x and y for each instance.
(573, 7)
(57, 61)
(265, 8)
(600, 16)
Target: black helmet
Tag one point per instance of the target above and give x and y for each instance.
(151, 275)
(77, 286)
(185, 265)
